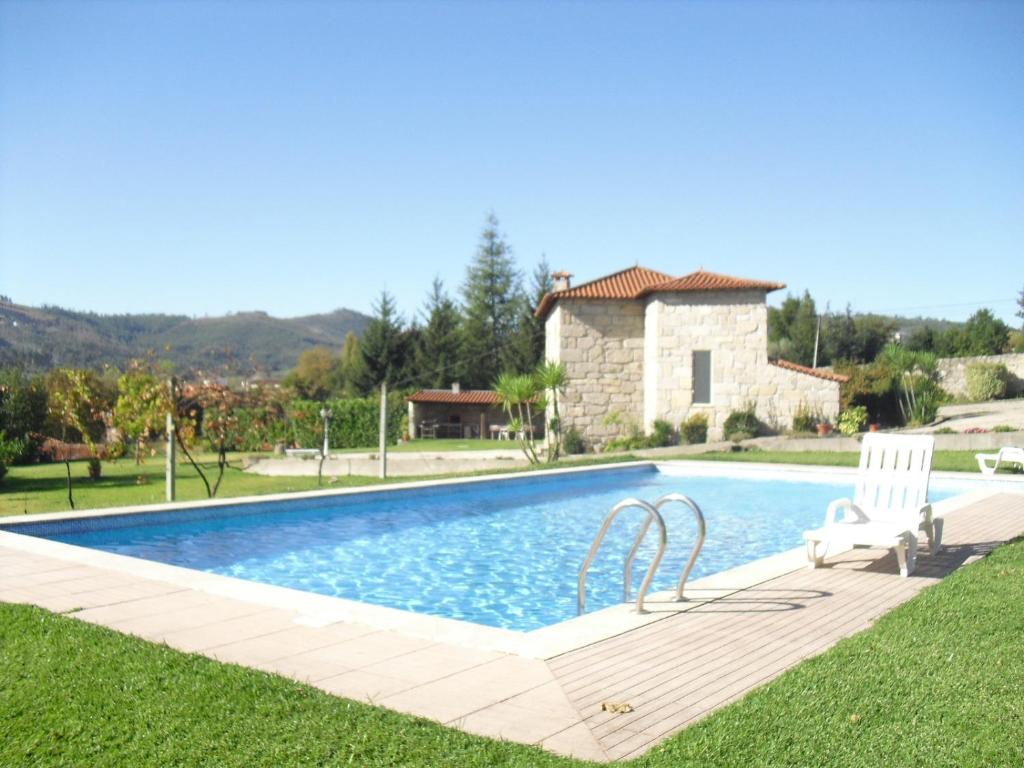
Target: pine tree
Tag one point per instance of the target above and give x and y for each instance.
(526, 346)
(382, 346)
(439, 352)
(492, 300)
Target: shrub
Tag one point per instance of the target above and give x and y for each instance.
(743, 422)
(662, 434)
(853, 420)
(12, 449)
(928, 397)
(804, 419)
(3, 471)
(987, 381)
(572, 441)
(695, 429)
(1005, 428)
(944, 431)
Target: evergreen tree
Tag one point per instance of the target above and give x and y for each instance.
(492, 301)
(439, 352)
(526, 347)
(792, 329)
(382, 346)
(350, 367)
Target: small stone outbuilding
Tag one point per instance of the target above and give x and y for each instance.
(641, 345)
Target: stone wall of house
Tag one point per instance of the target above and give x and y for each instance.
(601, 344)
(953, 372)
(732, 325)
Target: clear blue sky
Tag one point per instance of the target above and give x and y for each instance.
(203, 157)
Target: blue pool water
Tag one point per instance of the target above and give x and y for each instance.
(504, 553)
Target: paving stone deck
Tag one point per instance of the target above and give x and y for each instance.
(699, 656)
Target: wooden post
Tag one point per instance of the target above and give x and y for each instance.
(383, 429)
(169, 467)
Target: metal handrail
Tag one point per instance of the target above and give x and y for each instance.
(701, 533)
(652, 515)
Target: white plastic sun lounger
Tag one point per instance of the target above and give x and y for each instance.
(890, 503)
(1007, 455)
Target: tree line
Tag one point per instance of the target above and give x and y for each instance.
(796, 332)
(489, 329)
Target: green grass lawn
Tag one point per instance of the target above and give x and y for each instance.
(41, 487)
(936, 682)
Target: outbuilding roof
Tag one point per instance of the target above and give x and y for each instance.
(446, 396)
(637, 282)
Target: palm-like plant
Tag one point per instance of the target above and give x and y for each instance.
(551, 378)
(911, 370)
(518, 394)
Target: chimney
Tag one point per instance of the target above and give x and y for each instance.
(561, 280)
(456, 387)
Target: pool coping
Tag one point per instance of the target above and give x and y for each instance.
(317, 610)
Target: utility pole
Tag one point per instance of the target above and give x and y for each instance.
(817, 335)
(383, 447)
(170, 465)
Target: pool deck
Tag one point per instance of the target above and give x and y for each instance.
(674, 666)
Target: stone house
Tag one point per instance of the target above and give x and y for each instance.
(640, 345)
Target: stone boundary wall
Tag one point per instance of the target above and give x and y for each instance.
(953, 372)
(781, 393)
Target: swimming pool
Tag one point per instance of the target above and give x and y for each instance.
(503, 553)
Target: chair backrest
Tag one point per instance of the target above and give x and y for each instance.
(892, 480)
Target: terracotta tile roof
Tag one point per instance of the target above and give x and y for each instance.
(446, 396)
(637, 282)
(818, 372)
(627, 284)
(710, 281)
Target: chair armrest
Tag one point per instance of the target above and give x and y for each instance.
(835, 506)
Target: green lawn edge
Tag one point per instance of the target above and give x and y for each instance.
(936, 682)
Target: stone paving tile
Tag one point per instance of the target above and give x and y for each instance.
(576, 741)
(365, 686)
(432, 663)
(275, 645)
(366, 650)
(507, 721)
(465, 692)
(223, 631)
(310, 666)
(157, 626)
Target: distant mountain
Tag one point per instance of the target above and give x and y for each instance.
(40, 338)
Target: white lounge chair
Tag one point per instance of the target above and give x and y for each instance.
(890, 503)
(1007, 455)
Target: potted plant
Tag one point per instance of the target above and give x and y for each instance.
(824, 429)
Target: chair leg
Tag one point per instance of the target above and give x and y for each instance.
(911, 555)
(935, 541)
(814, 560)
(901, 558)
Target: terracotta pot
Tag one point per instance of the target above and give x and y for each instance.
(872, 427)
(824, 429)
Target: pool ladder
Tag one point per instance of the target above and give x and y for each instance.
(653, 515)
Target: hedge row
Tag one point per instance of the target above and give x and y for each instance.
(354, 424)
